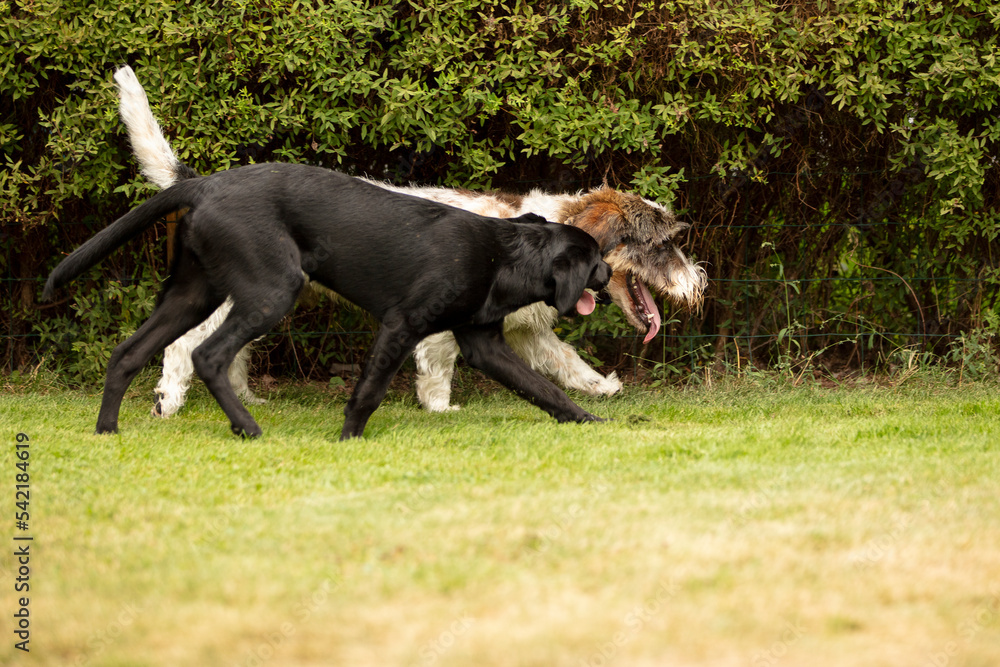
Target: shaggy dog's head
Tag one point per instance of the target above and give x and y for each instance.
(637, 237)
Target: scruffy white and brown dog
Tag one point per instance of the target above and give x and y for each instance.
(636, 237)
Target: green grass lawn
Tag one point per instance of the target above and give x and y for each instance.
(737, 525)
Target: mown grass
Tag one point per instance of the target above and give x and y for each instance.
(738, 525)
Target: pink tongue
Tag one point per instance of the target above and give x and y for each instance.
(647, 302)
(586, 304)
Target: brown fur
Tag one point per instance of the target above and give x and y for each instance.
(637, 240)
(611, 216)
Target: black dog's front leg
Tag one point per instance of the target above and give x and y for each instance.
(393, 343)
(485, 348)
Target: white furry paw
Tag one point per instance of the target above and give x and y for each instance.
(434, 392)
(441, 406)
(166, 405)
(607, 386)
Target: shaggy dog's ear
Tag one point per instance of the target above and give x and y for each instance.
(571, 272)
(604, 221)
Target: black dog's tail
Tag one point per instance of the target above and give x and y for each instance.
(159, 164)
(183, 195)
(158, 161)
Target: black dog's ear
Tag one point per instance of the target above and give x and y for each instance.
(604, 221)
(529, 218)
(571, 272)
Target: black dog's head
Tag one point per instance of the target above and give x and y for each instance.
(547, 262)
(578, 266)
(529, 218)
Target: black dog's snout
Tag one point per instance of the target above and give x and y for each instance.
(600, 277)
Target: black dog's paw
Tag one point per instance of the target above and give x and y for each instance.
(592, 418)
(246, 432)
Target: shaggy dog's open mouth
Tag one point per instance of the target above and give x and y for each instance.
(630, 293)
(662, 268)
(643, 306)
(637, 239)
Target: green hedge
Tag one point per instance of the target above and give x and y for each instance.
(836, 158)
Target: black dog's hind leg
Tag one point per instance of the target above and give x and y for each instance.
(252, 316)
(393, 343)
(485, 348)
(184, 303)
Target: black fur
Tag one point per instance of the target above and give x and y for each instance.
(420, 267)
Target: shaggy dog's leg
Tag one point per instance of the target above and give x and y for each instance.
(484, 348)
(529, 332)
(178, 369)
(183, 304)
(238, 374)
(435, 357)
(532, 339)
(177, 372)
(177, 366)
(559, 360)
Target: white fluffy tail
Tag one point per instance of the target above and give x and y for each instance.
(157, 160)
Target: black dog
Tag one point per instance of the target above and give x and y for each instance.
(420, 267)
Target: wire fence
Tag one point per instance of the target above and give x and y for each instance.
(870, 291)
